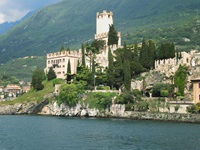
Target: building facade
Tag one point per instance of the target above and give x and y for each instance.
(196, 90)
(59, 62)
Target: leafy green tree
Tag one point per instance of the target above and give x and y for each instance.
(136, 68)
(71, 93)
(180, 79)
(112, 36)
(83, 55)
(161, 89)
(51, 74)
(110, 70)
(37, 78)
(98, 45)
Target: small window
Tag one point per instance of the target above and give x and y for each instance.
(199, 85)
(199, 97)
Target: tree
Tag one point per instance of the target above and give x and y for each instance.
(126, 68)
(98, 45)
(180, 79)
(69, 67)
(37, 78)
(69, 71)
(151, 54)
(71, 93)
(51, 74)
(144, 58)
(83, 55)
(110, 70)
(112, 36)
(118, 68)
(135, 53)
(62, 49)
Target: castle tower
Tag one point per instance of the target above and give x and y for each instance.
(103, 20)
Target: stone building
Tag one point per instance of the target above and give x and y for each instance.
(59, 60)
(196, 90)
(103, 21)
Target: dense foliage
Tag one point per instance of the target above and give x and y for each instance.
(180, 79)
(7, 79)
(37, 78)
(99, 100)
(51, 74)
(70, 94)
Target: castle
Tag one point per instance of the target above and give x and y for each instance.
(59, 60)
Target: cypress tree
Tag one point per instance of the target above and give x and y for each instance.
(144, 56)
(126, 68)
(110, 70)
(135, 53)
(69, 67)
(83, 55)
(151, 52)
(51, 74)
(69, 72)
(112, 36)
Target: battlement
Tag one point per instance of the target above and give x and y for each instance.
(72, 53)
(104, 13)
(101, 35)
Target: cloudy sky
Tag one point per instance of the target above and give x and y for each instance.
(12, 10)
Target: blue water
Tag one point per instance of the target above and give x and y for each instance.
(61, 133)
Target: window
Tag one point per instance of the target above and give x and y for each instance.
(199, 97)
(199, 85)
(63, 60)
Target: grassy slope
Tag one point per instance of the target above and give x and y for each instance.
(32, 95)
(70, 23)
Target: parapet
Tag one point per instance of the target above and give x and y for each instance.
(72, 53)
(104, 13)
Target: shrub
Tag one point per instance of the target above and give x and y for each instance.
(69, 93)
(191, 109)
(164, 93)
(142, 105)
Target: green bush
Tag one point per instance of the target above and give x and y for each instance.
(142, 105)
(70, 93)
(99, 100)
(191, 109)
(164, 93)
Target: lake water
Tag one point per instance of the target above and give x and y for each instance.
(62, 133)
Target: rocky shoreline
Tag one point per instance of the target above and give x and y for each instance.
(115, 111)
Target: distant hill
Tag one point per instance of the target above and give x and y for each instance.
(22, 68)
(70, 23)
(8, 25)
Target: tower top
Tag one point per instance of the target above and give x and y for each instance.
(104, 13)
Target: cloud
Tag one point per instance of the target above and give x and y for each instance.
(12, 10)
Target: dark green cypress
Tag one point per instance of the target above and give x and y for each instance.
(83, 55)
(69, 67)
(126, 68)
(112, 36)
(110, 70)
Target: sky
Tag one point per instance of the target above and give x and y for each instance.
(12, 10)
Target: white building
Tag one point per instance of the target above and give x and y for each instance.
(59, 60)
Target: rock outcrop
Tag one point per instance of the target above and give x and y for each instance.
(115, 110)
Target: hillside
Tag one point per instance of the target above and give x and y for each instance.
(22, 68)
(70, 23)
